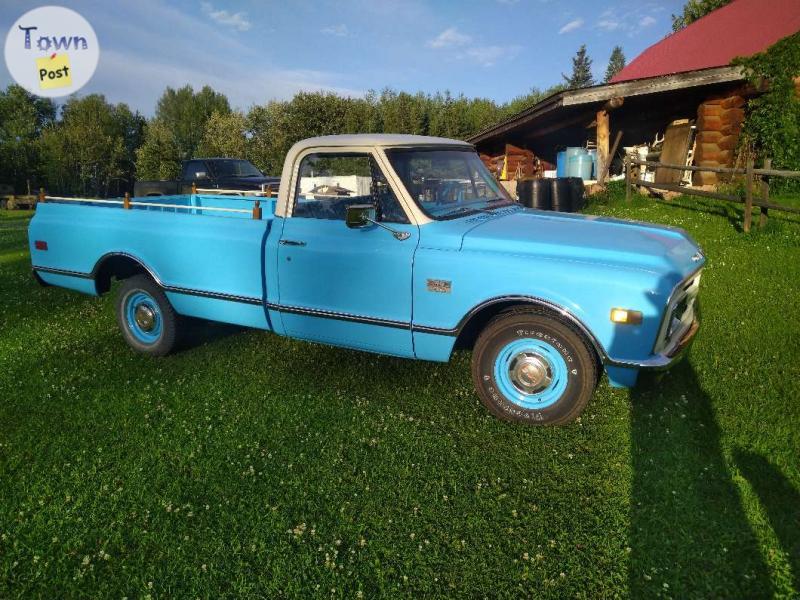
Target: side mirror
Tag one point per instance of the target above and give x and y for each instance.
(359, 216)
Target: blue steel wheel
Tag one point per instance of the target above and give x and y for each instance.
(533, 368)
(147, 320)
(143, 317)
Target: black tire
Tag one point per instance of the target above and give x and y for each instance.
(566, 356)
(163, 339)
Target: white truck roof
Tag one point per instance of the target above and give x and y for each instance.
(373, 139)
(377, 141)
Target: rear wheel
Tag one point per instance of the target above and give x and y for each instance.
(532, 368)
(148, 322)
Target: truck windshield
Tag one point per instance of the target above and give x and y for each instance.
(448, 182)
(234, 168)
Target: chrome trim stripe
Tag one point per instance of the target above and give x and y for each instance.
(55, 271)
(213, 295)
(435, 330)
(329, 314)
(161, 284)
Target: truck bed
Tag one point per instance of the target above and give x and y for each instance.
(206, 251)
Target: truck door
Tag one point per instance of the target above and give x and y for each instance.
(342, 286)
(195, 172)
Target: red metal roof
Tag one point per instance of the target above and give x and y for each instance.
(741, 28)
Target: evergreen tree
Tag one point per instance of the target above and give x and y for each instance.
(615, 63)
(693, 10)
(581, 70)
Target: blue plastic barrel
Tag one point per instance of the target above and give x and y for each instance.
(561, 164)
(580, 166)
(575, 151)
(572, 166)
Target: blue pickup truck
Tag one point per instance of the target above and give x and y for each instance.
(401, 245)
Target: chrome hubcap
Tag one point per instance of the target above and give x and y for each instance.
(529, 372)
(145, 317)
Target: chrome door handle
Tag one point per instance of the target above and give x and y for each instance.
(291, 243)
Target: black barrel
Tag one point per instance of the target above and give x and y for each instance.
(578, 193)
(541, 194)
(524, 190)
(561, 194)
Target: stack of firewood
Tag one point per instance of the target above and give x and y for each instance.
(515, 163)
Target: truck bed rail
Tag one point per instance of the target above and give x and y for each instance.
(192, 203)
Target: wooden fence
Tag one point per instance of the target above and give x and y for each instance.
(752, 196)
(12, 201)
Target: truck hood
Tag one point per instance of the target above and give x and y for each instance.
(587, 238)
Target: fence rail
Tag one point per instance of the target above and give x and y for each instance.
(750, 174)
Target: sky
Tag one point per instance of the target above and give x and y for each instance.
(255, 51)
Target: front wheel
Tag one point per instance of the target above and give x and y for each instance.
(148, 322)
(531, 368)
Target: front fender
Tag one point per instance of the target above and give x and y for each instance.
(582, 292)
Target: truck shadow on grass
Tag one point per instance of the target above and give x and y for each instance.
(198, 332)
(780, 501)
(690, 536)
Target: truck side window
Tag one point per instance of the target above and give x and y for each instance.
(193, 167)
(328, 183)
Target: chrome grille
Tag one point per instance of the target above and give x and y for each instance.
(679, 314)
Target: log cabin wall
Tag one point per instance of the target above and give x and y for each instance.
(719, 123)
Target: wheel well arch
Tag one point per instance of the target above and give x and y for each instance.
(476, 319)
(117, 265)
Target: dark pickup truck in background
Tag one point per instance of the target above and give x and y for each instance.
(211, 173)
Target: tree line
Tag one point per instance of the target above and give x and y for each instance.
(91, 147)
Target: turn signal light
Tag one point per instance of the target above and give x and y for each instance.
(624, 316)
(40, 245)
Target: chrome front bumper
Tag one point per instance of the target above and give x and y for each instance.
(668, 357)
(677, 330)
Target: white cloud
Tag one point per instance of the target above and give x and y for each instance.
(571, 26)
(450, 37)
(488, 56)
(237, 20)
(337, 30)
(647, 21)
(609, 24)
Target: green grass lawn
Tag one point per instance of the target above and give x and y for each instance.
(249, 465)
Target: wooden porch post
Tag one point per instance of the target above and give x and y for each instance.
(603, 135)
(748, 195)
(762, 220)
(628, 179)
